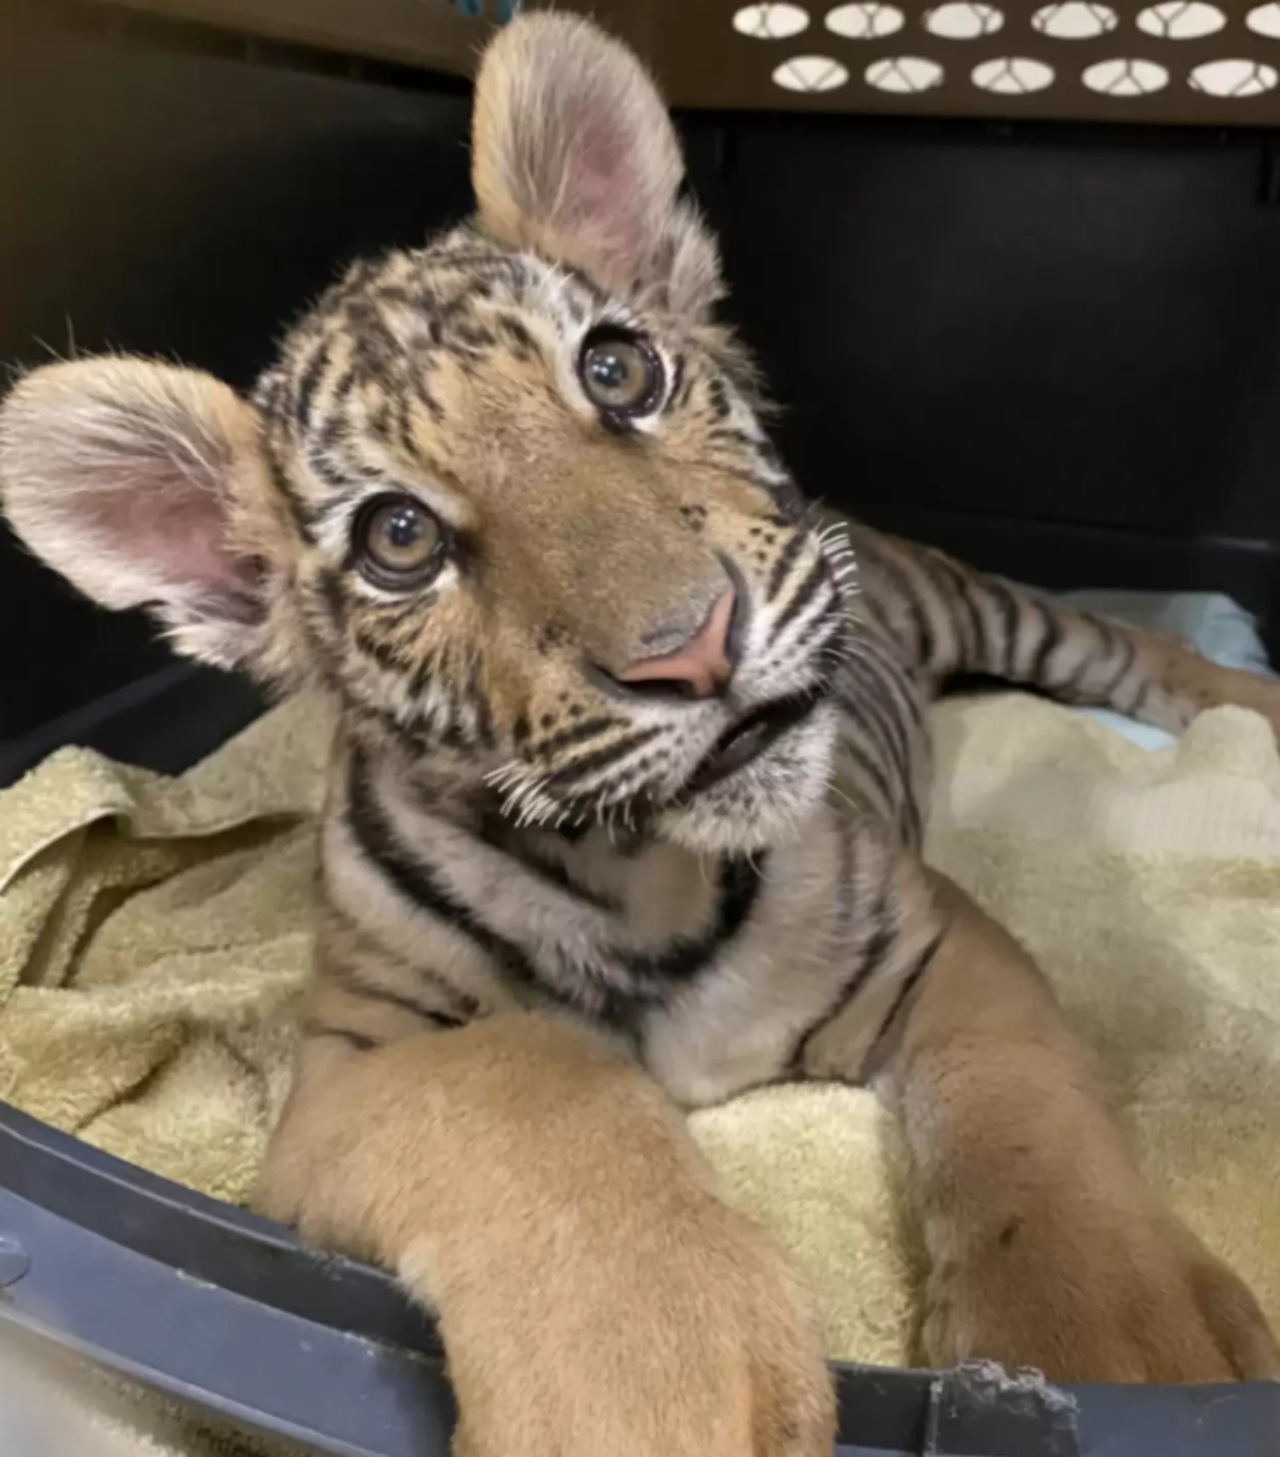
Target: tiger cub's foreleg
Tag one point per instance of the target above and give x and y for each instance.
(545, 1198)
(951, 620)
(1047, 1247)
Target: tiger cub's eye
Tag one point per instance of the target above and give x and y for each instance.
(398, 542)
(620, 372)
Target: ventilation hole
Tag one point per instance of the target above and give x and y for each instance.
(1236, 79)
(865, 21)
(904, 75)
(1265, 20)
(1012, 75)
(1181, 19)
(810, 73)
(770, 22)
(963, 21)
(1126, 77)
(1075, 20)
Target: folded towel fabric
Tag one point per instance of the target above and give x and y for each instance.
(154, 939)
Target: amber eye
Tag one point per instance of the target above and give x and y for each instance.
(620, 372)
(398, 542)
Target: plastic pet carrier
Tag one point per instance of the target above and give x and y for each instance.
(997, 320)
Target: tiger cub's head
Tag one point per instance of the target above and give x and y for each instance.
(508, 496)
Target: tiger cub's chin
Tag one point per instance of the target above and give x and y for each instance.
(768, 802)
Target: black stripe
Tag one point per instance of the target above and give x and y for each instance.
(309, 382)
(342, 387)
(826, 631)
(909, 983)
(376, 351)
(855, 700)
(1053, 626)
(305, 517)
(731, 435)
(978, 628)
(874, 716)
(478, 261)
(404, 428)
(464, 1007)
(867, 960)
(972, 592)
(873, 770)
(786, 560)
(415, 880)
(494, 831)
(908, 598)
(1105, 630)
(626, 790)
(356, 986)
(1070, 685)
(522, 342)
(893, 728)
(960, 585)
(472, 336)
(358, 1040)
(803, 595)
(913, 828)
(329, 585)
(382, 652)
(1002, 656)
(586, 284)
(676, 395)
(739, 889)
(896, 681)
(651, 974)
(600, 758)
(579, 733)
(339, 475)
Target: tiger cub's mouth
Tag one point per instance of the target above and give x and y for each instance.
(748, 738)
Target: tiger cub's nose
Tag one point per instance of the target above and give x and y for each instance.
(701, 666)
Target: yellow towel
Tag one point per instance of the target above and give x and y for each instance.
(154, 938)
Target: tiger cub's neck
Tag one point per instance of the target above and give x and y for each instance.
(627, 887)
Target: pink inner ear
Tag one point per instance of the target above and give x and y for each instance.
(606, 193)
(171, 526)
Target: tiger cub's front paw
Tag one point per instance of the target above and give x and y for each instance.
(694, 1341)
(1096, 1295)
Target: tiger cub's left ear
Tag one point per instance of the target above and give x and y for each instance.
(574, 157)
(139, 483)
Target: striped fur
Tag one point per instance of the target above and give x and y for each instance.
(511, 828)
(726, 970)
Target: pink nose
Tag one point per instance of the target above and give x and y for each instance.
(702, 666)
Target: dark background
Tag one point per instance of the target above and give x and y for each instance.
(1055, 351)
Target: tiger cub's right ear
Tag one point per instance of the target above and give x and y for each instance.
(575, 157)
(138, 482)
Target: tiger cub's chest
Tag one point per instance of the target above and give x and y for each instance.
(747, 957)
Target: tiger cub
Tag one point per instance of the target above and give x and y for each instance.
(625, 809)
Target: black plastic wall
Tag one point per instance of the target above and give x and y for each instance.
(170, 202)
(1054, 351)
(1057, 352)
